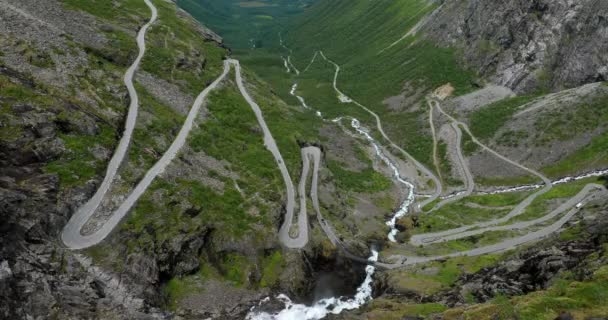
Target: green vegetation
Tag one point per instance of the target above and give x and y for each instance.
(486, 121)
(121, 49)
(499, 200)
(583, 299)
(411, 134)
(568, 122)
(178, 53)
(507, 181)
(157, 125)
(445, 166)
(179, 288)
(38, 59)
(368, 180)
(542, 204)
(12, 92)
(354, 34)
(160, 221)
(79, 164)
(272, 266)
(289, 126)
(270, 67)
(469, 147)
(240, 143)
(124, 11)
(386, 202)
(436, 276)
(460, 213)
(592, 155)
(235, 268)
(431, 205)
(559, 123)
(245, 25)
(19, 93)
(512, 139)
(384, 309)
(95, 84)
(468, 243)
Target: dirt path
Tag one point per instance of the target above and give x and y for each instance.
(284, 236)
(434, 135)
(345, 99)
(469, 182)
(312, 61)
(414, 29)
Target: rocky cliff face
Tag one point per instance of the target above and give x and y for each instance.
(527, 45)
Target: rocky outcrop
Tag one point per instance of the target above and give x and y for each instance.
(530, 271)
(527, 45)
(536, 268)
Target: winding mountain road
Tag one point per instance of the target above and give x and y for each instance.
(572, 202)
(71, 233)
(435, 142)
(457, 233)
(588, 193)
(73, 238)
(507, 244)
(469, 182)
(284, 232)
(315, 154)
(466, 171)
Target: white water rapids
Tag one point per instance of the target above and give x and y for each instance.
(528, 187)
(403, 209)
(323, 307)
(302, 101)
(333, 305)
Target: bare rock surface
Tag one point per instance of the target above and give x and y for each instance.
(168, 93)
(527, 45)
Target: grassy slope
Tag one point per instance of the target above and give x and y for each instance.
(586, 117)
(458, 213)
(79, 164)
(175, 37)
(242, 26)
(352, 33)
(561, 123)
(225, 210)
